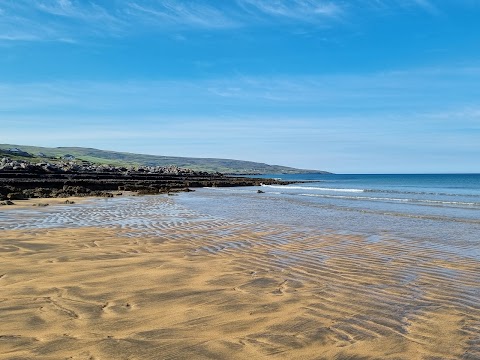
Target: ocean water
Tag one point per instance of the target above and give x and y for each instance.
(442, 211)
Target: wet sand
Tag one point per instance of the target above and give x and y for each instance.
(143, 278)
(24, 204)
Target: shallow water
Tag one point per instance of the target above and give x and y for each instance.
(121, 212)
(440, 210)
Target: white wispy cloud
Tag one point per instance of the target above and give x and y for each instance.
(54, 20)
(166, 12)
(65, 8)
(18, 36)
(303, 10)
(401, 92)
(88, 13)
(393, 6)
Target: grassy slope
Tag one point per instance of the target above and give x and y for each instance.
(127, 159)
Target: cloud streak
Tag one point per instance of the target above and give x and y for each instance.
(57, 20)
(300, 10)
(167, 13)
(398, 92)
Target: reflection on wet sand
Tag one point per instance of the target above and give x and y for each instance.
(144, 278)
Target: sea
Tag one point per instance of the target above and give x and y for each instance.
(439, 210)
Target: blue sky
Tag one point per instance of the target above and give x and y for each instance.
(359, 86)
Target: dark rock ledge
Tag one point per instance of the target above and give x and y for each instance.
(23, 180)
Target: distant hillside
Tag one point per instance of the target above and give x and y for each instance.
(228, 166)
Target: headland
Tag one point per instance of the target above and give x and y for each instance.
(21, 179)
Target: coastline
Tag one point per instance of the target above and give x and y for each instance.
(145, 277)
(21, 180)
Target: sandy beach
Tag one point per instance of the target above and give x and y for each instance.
(187, 287)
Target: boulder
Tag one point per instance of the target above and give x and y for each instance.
(17, 196)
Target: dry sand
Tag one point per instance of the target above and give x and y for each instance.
(214, 290)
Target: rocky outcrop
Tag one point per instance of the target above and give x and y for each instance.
(18, 152)
(7, 164)
(22, 179)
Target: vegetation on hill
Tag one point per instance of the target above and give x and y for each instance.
(115, 158)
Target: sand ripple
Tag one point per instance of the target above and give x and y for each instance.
(145, 278)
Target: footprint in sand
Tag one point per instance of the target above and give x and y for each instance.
(281, 288)
(116, 309)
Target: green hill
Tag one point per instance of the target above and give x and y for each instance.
(227, 166)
